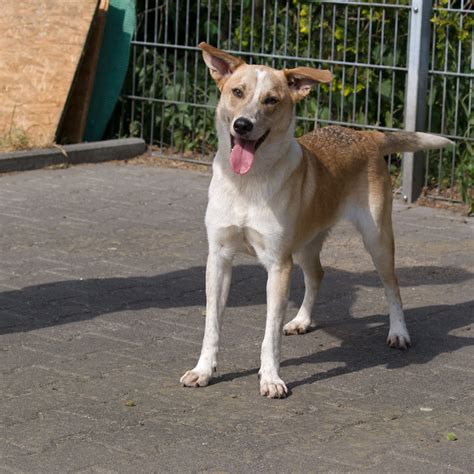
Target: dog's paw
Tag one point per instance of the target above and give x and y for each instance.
(296, 327)
(195, 378)
(275, 388)
(399, 340)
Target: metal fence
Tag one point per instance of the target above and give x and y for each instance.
(398, 65)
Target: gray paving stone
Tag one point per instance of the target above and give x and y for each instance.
(102, 301)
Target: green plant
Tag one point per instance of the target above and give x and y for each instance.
(15, 139)
(176, 95)
(465, 176)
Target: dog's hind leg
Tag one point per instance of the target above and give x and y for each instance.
(375, 225)
(308, 260)
(218, 275)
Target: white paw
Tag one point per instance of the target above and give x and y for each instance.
(273, 388)
(399, 339)
(195, 378)
(296, 327)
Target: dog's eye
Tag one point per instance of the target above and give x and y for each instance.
(237, 92)
(270, 101)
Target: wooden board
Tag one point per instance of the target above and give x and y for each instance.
(73, 121)
(41, 43)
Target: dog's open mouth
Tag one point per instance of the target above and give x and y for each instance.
(243, 152)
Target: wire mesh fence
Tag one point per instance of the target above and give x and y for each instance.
(169, 99)
(450, 98)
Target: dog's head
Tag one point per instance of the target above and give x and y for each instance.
(257, 102)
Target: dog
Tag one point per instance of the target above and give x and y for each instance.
(276, 197)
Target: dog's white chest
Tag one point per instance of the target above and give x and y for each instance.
(243, 222)
(241, 227)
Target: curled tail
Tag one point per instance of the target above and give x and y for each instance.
(394, 142)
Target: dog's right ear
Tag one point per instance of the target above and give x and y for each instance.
(221, 64)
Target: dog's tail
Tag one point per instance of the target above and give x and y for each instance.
(394, 142)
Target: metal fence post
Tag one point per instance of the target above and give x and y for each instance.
(415, 97)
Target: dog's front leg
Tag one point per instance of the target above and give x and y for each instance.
(278, 284)
(218, 275)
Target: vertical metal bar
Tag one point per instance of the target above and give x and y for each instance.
(175, 61)
(471, 94)
(333, 30)
(264, 24)
(298, 12)
(443, 106)
(379, 92)
(356, 69)
(134, 76)
(285, 49)
(145, 38)
(185, 71)
(456, 106)
(310, 24)
(471, 84)
(186, 43)
(321, 29)
(415, 99)
(344, 55)
(392, 94)
(165, 74)
(153, 85)
(309, 20)
(367, 74)
(229, 36)
(206, 76)
(252, 20)
(219, 13)
(394, 63)
(241, 23)
(430, 102)
(196, 58)
(275, 10)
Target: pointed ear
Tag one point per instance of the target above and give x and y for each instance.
(301, 79)
(221, 64)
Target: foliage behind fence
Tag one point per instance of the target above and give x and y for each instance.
(169, 98)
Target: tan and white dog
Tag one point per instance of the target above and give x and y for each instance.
(276, 197)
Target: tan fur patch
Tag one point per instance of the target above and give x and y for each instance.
(337, 163)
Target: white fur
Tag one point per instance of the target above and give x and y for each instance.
(258, 88)
(250, 111)
(239, 219)
(428, 141)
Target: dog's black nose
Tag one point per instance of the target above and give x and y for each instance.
(243, 126)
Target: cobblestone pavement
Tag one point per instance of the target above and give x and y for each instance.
(102, 304)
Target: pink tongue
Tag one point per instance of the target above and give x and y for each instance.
(242, 155)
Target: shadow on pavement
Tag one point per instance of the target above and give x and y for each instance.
(362, 347)
(362, 338)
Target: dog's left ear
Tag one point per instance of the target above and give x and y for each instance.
(221, 64)
(301, 79)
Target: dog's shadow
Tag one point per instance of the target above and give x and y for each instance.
(362, 344)
(63, 302)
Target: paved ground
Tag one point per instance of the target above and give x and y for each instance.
(102, 298)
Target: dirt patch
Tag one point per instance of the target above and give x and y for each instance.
(428, 201)
(149, 160)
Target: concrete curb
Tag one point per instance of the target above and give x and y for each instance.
(93, 152)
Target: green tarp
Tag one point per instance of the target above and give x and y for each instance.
(112, 66)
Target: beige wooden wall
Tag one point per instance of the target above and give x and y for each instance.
(41, 42)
